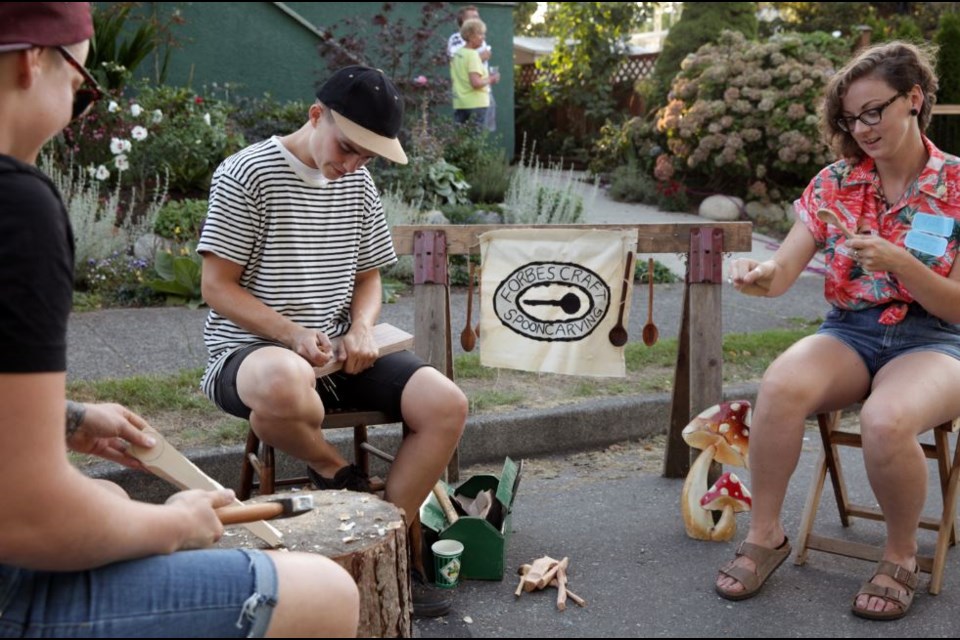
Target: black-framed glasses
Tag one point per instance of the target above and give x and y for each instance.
(88, 93)
(870, 117)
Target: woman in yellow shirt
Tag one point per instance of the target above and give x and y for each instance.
(470, 79)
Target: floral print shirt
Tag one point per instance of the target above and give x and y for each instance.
(853, 193)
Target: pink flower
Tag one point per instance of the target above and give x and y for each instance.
(421, 81)
(663, 170)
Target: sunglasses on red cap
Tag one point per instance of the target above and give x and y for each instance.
(88, 93)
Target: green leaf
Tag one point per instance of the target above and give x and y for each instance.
(187, 274)
(163, 264)
(168, 286)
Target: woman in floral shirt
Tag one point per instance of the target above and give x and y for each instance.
(891, 332)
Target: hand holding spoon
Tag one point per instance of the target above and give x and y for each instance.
(828, 216)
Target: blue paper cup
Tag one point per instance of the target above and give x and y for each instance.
(446, 562)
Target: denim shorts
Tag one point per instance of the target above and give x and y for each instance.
(378, 388)
(208, 593)
(877, 344)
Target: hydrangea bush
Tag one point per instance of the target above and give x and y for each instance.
(743, 116)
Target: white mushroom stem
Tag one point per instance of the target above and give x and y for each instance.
(697, 521)
(726, 528)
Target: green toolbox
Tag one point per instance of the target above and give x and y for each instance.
(484, 536)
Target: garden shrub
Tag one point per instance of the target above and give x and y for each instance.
(743, 116)
(490, 178)
(431, 182)
(192, 139)
(542, 194)
(162, 130)
(700, 23)
(948, 58)
(945, 130)
(181, 220)
(632, 142)
(103, 224)
(179, 276)
(259, 118)
(118, 280)
(629, 184)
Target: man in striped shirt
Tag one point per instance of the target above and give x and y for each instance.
(292, 246)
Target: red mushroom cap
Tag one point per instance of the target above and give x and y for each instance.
(727, 491)
(726, 425)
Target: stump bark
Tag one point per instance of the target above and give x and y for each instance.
(363, 534)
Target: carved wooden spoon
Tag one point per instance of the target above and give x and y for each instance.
(828, 216)
(468, 339)
(650, 332)
(618, 335)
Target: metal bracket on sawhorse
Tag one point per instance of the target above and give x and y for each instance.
(430, 257)
(706, 256)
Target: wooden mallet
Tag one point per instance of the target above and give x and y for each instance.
(277, 508)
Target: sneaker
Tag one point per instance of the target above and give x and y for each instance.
(349, 477)
(428, 601)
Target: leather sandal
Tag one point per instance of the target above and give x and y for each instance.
(350, 477)
(902, 598)
(767, 561)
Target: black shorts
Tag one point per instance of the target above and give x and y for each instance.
(378, 388)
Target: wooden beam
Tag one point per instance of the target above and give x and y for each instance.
(946, 110)
(673, 237)
(706, 354)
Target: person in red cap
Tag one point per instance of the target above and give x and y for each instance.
(292, 248)
(78, 557)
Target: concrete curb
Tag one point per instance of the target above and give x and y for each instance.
(593, 424)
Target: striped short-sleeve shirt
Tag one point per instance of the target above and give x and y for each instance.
(300, 238)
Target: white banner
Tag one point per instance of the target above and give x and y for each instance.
(550, 298)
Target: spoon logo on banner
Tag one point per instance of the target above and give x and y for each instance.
(552, 301)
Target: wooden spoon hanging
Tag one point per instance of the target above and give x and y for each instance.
(618, 335)
(468, 338)
(650, 332)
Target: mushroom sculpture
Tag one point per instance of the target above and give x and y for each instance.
(723, 433)
(730, 496)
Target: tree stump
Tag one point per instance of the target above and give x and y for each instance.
(363, 534)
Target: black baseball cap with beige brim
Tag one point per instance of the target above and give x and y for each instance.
(367, 107)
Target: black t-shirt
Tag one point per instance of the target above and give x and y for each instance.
(36, 271)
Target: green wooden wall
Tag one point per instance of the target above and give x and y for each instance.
(265, 48)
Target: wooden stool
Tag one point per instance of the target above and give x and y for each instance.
(829, 464)
(258, 469)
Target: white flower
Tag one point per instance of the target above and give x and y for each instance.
(113, 107)
(206, 118)
(157, 116)
(127, 145)
(136, 110)
(102, 173)
(139, 133)
(91, 170)
(121, 162)
(116, 146)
